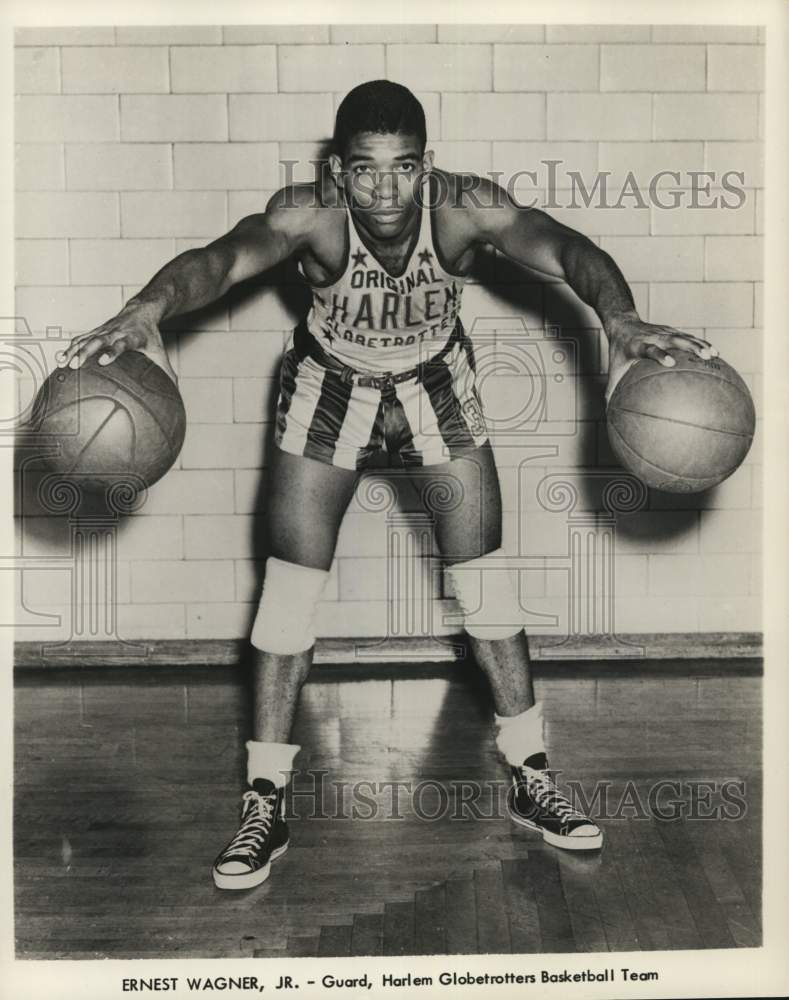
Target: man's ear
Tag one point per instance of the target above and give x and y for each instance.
(427, 160)
(335, 165)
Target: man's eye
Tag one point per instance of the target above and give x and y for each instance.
(361, 169)
(407, 168)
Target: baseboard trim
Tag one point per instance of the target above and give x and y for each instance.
(225, 652)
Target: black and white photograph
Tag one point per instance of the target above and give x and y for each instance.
(387, 441)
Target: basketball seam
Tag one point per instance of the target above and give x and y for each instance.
(76, 401)
(691, 371)
(93, 436)
(118, 405)
(653, 465)
(64, 406)
(125, 385)
(676, 420)
(140, 398)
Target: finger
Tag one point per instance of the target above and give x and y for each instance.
(63, 357)
(701, 347)
(705, 345)
(117, 348)
(86, 350)
(687, 341)
(658, 353)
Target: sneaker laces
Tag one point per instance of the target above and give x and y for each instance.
(541, 788)
(256, 818)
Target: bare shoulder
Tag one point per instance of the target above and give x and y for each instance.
(470, 203)
(303, 210)
(294, 210)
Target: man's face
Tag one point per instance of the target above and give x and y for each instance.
(380, 174)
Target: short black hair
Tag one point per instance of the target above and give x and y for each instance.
(378, 106)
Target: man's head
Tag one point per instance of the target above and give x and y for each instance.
(379, 154)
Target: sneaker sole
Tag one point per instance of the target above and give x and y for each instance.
(248, 880)
(556, 840)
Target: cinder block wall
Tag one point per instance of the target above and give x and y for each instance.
(135, 143)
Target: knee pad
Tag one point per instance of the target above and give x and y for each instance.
(285, 619)
(485, 591)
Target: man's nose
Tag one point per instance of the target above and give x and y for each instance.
(384, 184)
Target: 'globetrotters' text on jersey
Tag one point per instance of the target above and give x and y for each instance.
(375, 321)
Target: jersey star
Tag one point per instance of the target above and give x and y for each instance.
(360, 259)
(425, 257)
(327, 334)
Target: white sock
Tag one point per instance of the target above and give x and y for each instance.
(270, 760)
(520, 736)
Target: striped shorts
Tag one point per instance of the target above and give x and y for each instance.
(427, 419)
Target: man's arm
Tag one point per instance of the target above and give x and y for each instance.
(531, 237)
(191, 280)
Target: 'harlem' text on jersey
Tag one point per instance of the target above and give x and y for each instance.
(376, 322)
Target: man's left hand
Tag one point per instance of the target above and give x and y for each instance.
(631, 339)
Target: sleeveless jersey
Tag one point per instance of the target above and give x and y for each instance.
(376, 322)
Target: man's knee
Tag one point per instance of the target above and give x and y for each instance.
(285, 621)
(485, 590)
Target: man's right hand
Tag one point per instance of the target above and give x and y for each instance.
(134, 328)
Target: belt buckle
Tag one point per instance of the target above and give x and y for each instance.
(387, 382)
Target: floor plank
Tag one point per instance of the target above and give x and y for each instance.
(367, 934)
(398, 933)
(430, 921)
(461, 909)
(710, 921)
(113, 846)
(522, 910)
(493, 929)
(556, 929)
(335, 941)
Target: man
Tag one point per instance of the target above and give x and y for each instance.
(385, 242)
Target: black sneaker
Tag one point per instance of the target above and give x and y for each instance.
(262, 837)
(535, 802)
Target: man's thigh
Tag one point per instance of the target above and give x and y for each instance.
(305, 506)
(464, 498)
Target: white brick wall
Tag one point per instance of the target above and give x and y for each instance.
(228, 68)
(37, 71)
(257, 34)
(492, 116)
(306, 68)
(122, 166)
(42, 261)
(173, 213)
(645, 160)
(115, 70)
(222, 166)
(39, 167)
(440, 67)
(546, 67)
(652, 67)
(69, 118)
(112, 262)
(599, 116)
(135, 143)
(286, 116)
(173, 117)
(709, 116)
(207, 400)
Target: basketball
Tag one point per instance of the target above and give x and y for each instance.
(682, 429)
(102, 423)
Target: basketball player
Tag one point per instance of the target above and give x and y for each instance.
(385, 241)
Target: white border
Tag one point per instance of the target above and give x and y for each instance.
(729, 973)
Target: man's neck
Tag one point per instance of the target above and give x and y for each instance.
(390, 243)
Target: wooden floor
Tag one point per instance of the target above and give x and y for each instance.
(128, 784)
